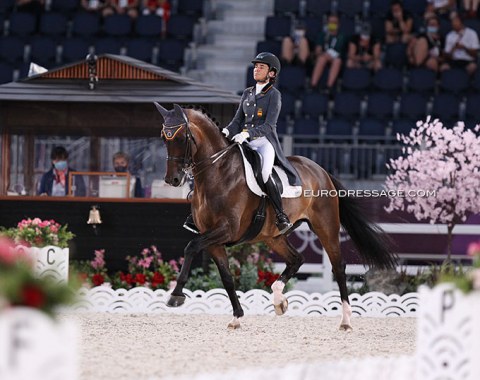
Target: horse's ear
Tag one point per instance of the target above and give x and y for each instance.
(160, 109)
(180, 112)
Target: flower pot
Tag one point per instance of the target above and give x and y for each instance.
(49, 261)
(35, 346)
(448, 334)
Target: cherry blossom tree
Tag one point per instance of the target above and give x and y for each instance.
(442, 160)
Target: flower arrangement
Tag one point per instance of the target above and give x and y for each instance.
(39, 233)
(19, 286)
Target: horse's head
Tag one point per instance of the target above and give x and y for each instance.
(178, 139)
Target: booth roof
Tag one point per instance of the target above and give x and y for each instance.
(121, 79)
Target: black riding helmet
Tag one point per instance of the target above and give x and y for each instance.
(269, 59)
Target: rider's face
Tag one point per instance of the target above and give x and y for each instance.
(260, 72)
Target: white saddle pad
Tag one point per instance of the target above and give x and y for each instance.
(288, 190)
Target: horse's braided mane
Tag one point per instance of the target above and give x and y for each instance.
(196, 107)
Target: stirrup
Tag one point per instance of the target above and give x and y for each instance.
(283, 224)
(190, 225)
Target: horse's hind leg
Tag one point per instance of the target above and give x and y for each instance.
(328, 233)
(293, 260)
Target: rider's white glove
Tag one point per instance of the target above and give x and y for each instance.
(226, 132)
(241, 137)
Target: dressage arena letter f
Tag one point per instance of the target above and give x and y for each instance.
(448, 301)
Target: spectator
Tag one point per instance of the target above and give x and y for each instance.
(128, 7)
(398, 24)
(425, 50)
(461, 47)
(93, 5)
(364, 51)
(32, 6)
(157, 7)
(471, 8)
(328, 51)
(121, 161)
(439, 8)
(55, 182)
(296, 49)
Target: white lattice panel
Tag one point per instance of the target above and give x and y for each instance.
(48, 261)
(216, 301)
(35, 347)
(448, 337)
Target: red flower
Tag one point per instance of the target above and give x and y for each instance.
(128, 278)
(268, 278)
(157, 279)
(32, 296)
(98, 279)
(140, 278)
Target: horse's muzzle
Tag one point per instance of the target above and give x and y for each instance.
(174, 180)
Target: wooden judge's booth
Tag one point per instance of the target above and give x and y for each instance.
(95, 108)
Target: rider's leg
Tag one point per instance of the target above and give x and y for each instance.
(267, 152)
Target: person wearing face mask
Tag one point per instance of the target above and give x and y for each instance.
(121, 161)
(364, 51)
(398, 24)
(55, 182)
(425, 50)
(329, 50)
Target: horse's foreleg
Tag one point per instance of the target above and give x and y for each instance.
(219, 255)
(293, 260)
(177, 298)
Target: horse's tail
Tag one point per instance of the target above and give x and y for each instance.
(370, 240)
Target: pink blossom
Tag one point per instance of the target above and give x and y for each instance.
(145, 262)
(99, 261)
(473, 249)
(174, 265)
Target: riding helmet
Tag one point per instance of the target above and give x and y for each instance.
(269, 59)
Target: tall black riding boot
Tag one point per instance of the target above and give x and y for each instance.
(283, 224)
(190, 225)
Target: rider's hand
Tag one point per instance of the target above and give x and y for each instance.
(226, 132)
(240, 137)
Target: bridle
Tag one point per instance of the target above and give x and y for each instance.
(188, 165)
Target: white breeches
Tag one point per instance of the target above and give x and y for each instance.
(267, 155)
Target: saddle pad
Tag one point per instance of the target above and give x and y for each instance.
(288, 190)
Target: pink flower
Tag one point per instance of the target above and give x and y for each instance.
(473, 249)
(174, 265)
(145, 263)
(99, 261)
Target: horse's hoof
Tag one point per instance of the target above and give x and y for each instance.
(281, 308)
(176, 301)
(345, 327)
(234, 323)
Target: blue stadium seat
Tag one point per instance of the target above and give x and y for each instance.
(282, 7)
(6, 6)
(149, 26)
(445, 108)
(141, 49)
(22, 24)
(403, 126)
(314, 105)
(117, 25)
(274, 47)
(86, 24)
(380, 106)
(306, 127)
(378, 7)
(351, 8)
(288, 106)
(6, 73)
(472, 109)
(473, 23)
(417, 7)
(249, 81)
(347, 26)
(357, 80)
(313, 27)
(282, 127)
(66, 7)
(475, 84)
(74, 49)
(53, 24)
(277, 27)
(347, 105)
(339, 130)
(377, 24)
(454, 81)
(388, 79)
(396, 55)
(43, 51)
(413, 106)
(12, 49)
(180, 27)
(372, 130)
(107, 45)
(171, 53)
(421, 80)
(192, 8)
(292, 80)
(318, 8)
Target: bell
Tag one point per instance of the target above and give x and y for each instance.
(94, 216)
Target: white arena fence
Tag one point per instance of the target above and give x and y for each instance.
(254, 302)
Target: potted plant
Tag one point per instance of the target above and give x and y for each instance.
(46, 242)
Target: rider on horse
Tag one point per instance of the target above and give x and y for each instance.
(255, 123)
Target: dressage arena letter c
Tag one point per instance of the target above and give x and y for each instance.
(48, 256)
(448, 301)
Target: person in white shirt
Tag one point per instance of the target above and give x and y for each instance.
(461, 47)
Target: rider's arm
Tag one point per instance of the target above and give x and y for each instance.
(273, 111)
(235, 126)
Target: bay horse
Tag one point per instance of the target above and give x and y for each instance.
(223, 208)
